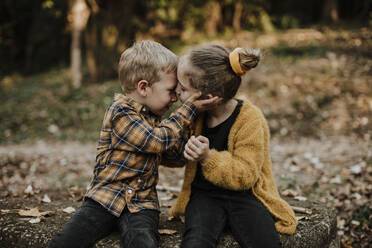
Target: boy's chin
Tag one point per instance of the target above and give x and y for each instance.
(160, 112)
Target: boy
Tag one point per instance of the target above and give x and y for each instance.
(122, 195)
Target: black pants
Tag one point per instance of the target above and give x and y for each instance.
(207, 215)
(92, 222)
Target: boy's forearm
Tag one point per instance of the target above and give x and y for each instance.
(174, 156)
(132, 133)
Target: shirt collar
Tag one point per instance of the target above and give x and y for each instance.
(129, 101)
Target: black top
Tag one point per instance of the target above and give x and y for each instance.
(218, 139)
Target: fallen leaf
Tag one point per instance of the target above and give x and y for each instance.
(46, 213)
(166, 198)
(298, 218)
(35, 220)
(336, 180)
(340, 223)
(69, 210)
(166, 204)
(356, 169)
(167, 231)
(289, 192)
(46, 199)
(300, 198)
(34, 212)
(355, 222)
(301, 210)
(29, 190)
(345, 245)
(75, 192)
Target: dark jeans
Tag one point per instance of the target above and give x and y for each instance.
(207, 215)
(92, 222)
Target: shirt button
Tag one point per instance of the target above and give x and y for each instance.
(130, 191)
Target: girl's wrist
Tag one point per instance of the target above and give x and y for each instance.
(208, 154)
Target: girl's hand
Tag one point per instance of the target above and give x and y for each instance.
(197, 149)
(205, 104)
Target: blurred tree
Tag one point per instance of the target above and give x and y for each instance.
(238, 9)
(330, 11)
(35, 35)
(213, 18)
(78, 17)
(91, 42)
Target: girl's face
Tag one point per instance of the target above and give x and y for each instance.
(184, 90)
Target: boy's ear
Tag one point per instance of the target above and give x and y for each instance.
(142, 87)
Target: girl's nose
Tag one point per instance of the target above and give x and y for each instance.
(174, 97)
(178, 89)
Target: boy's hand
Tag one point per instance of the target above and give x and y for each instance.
(205, 104)
(197, 149)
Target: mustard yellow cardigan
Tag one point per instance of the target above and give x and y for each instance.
(245, 165)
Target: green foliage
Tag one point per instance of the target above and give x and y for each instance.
(363, 215)
(44, 106)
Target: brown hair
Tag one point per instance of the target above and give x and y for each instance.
(212, 71)
(144, 60)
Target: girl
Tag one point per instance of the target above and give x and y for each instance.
(228, 179)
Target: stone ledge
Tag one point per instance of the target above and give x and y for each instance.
(316, 230)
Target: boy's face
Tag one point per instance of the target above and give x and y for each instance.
(184, 89)
(162, 94)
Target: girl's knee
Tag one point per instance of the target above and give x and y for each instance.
(199, 237)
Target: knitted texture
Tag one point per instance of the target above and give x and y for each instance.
(245, 165)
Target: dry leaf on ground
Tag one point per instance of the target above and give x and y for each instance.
(46, 199)
(34, 212)
(167, 231)
(69, 210)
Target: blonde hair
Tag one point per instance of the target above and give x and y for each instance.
(212, 70)
(144, 60)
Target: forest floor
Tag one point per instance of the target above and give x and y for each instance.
(336, 171)
(314, 86)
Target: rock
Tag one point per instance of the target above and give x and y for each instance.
(315, 230)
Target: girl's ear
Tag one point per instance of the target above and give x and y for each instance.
(142, 87)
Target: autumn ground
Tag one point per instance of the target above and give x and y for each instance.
(314, 86)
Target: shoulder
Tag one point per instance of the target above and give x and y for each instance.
(249, 113)
(249, 123)
(120, 108)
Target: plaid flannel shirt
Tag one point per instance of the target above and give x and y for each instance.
(129, 151)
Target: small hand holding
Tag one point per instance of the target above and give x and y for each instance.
(197, 149)
(205, 104)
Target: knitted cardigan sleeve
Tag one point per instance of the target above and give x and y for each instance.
(240, 167)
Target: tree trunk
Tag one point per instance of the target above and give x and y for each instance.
(91, 48)
(330, 11)
(78, 17)
(76, 58)
(238, 9)
(213, 18)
